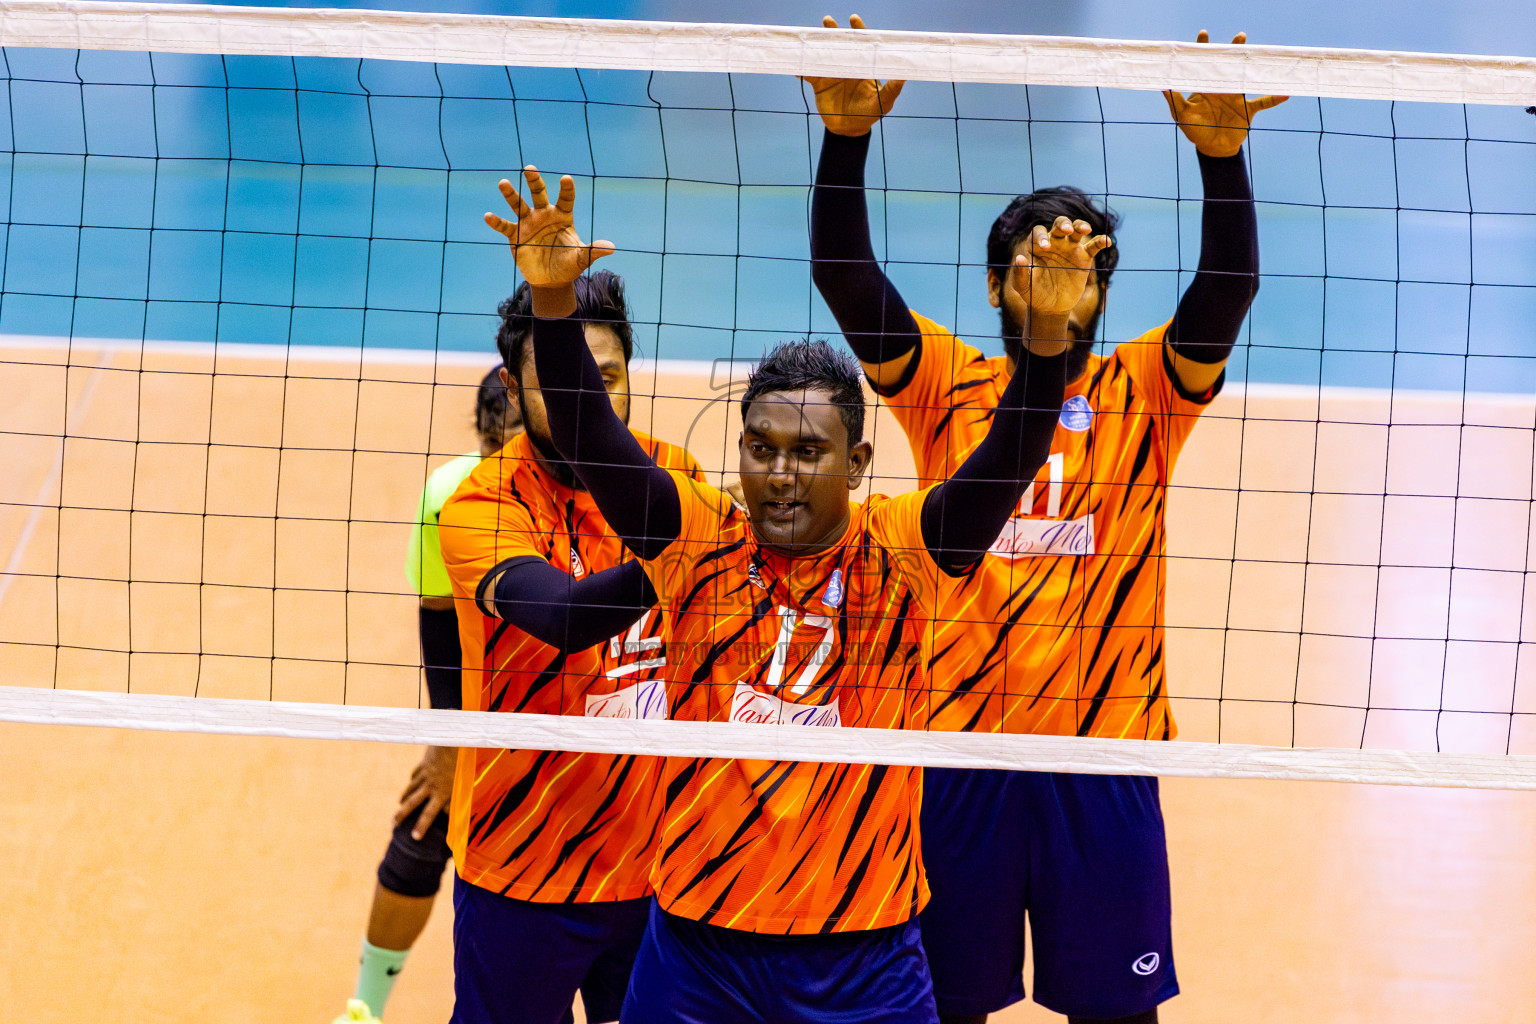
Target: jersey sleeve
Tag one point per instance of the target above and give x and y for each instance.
(1146, 363)
(478, 529)
(896, 526)
(705, 510)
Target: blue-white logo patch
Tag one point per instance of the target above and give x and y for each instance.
(832, 597)
(1076, 414)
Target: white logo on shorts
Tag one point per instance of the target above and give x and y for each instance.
(1146, 964)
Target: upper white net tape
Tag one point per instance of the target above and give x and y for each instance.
(768, 742)
(771, 50)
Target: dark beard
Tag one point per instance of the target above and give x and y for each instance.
(553, 463)
(1077, 355)
(549, 455)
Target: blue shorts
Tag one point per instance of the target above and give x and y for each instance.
(517, 962)
(692, 973)
(1084, 855)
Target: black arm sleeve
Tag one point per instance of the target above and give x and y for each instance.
(440, 657)
(567, 613)
(636, 497)
(869, 310)
(1211, 312)
(963, 515)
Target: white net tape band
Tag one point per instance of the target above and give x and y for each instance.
(669, 46)
(767, 742)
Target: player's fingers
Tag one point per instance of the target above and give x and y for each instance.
(827, 21)
(1061, 228)
(428, 815)
(1203, 36)
(888, 93)
(1265, 102)
(412, 800)
(1097, 244)
(506, 227)
(1176, 102)
(567, 200)
(536, 190)
(854, 21)
(1240, 38)
(510, 194)
(594, 252)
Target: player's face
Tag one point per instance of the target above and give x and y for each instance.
(608, 353)
(797, 469)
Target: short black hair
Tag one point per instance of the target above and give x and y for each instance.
(491, 405)
(1043, 206)
(599, 299)
(804, 364)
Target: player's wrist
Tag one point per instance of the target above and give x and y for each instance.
(1047, 327)
(554, 301)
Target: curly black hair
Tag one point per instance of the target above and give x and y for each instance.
(599, 299)
(804, 364)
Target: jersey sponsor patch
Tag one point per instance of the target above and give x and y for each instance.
(1146, 964)
(645, 699)
(753, 707)
(1022, 538)
(1076, 414)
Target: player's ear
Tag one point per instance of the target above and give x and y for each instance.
(507, 380)
(859, 458)
(994, 288)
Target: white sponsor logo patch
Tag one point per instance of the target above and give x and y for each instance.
(757, 708)
(1076, 414)
(646, 699)
(1146, 964)
(1024, 537)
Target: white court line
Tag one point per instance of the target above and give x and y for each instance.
(348, 354)
(767, 49)
(55, 474)
(359, 355)
(417, 726)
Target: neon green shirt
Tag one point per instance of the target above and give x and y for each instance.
(424, 558)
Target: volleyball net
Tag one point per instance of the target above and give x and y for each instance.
(248, 297)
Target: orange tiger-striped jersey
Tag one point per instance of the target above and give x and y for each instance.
(1060, 628)
(547, 826)
(833, 639)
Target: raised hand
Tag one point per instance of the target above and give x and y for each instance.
(1049, 280)
(544, 242)
(1217, 123)
(851, 106)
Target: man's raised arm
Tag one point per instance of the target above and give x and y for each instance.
(963, 516)
(869, 310)
(1212, 309)
(637, 498)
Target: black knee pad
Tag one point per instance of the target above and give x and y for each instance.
(414, 867)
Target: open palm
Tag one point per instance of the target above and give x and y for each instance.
(851, 106)
(1217, 123)
(543, 237)
(1051, 277)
